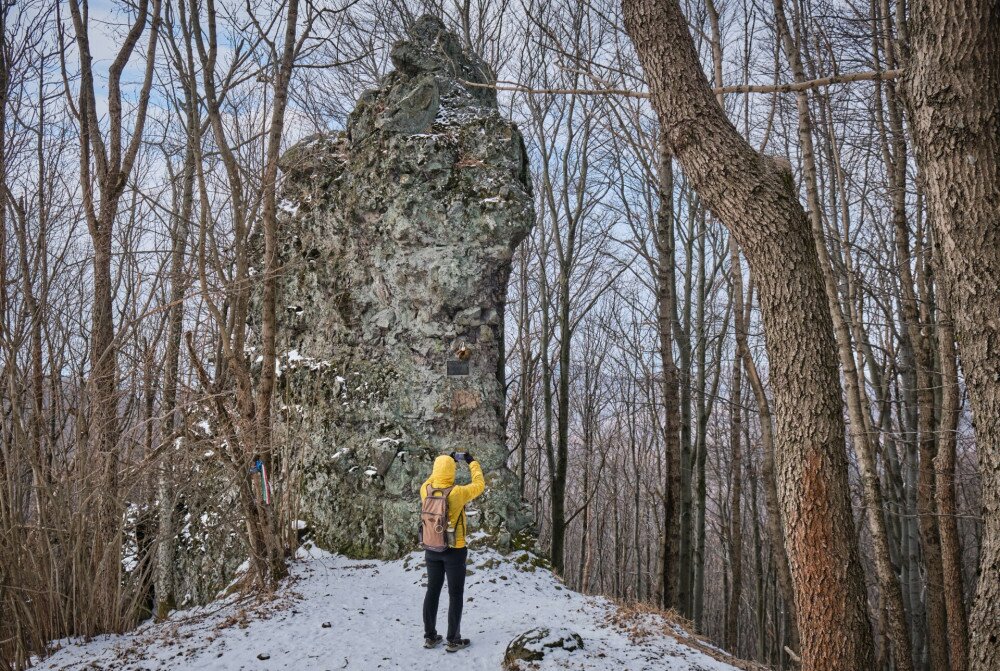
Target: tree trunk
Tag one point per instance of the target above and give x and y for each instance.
(953, 90)
(917, 341)
(265, 386)
(755, 198)
(556, 488)
(682, 333)
(892, 595)
(164, 569)
(666, 310)
(562, 424)
(731, 634)
(697, 469)
(735, 436)
(779, 555)
(944, 466)
(758, 555)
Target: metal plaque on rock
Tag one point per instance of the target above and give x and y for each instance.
(457, 367)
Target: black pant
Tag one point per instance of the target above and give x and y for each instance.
(452, 563)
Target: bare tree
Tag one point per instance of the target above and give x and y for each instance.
(753, 196)
(247, 425)
(107, 159)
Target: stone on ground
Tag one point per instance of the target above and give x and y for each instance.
(534, 644)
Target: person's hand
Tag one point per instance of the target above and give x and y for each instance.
(452, 455)
(469, 458)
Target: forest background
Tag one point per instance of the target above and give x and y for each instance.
(139, 163)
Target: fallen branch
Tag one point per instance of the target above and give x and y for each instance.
(883, 75)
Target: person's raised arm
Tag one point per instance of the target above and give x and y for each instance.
(478, 484)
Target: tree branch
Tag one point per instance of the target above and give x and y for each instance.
(883, 75)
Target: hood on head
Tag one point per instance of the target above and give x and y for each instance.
(443, 474)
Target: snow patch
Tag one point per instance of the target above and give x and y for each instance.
(288, 207)
(362, 615)
(293, 359)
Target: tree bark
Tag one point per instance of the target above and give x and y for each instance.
(953, 92)
(755, 199)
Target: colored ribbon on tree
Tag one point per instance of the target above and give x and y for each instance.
(265, 483)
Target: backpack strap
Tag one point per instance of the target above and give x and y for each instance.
(431, 488)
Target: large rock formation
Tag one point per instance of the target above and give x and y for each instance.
(396, 245)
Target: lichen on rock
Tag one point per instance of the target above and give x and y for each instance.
(395, 242)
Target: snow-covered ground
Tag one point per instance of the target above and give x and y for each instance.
(337, 613)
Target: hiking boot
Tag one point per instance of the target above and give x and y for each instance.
(433, 641)
(457, 644)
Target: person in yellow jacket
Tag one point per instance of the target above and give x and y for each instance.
(451, 562)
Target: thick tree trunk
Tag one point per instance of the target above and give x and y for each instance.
(755, 198)
(953, 91)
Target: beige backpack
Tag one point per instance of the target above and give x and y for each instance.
(434, 532)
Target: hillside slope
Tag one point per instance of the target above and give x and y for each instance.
(337, 613)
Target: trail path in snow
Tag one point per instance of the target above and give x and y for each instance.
(337, 613)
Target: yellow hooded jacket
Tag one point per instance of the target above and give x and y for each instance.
(442, 477)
